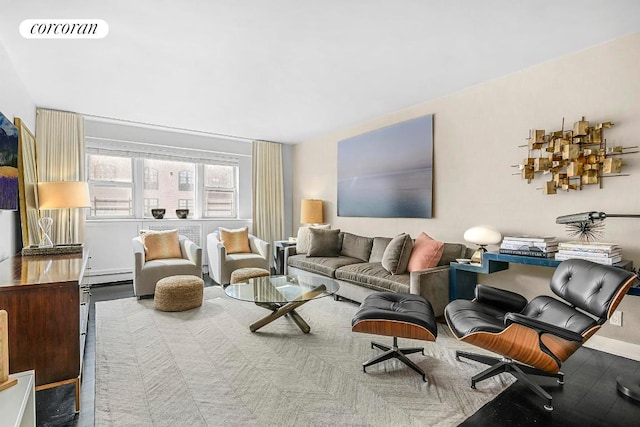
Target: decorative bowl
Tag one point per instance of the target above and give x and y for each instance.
(182, 213)
(158, 213)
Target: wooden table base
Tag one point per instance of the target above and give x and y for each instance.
(279, 310)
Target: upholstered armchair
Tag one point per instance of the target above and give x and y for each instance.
(535, 337)
(222, 263)
(146, 273)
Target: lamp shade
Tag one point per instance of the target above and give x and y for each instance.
(63, 195)
(482, 235)
(311, 211)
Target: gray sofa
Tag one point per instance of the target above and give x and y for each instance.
(363, 275)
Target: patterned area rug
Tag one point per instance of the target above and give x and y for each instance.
(204, 367)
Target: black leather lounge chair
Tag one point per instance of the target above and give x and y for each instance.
(535, 337)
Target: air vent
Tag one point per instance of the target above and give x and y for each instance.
(193, 232)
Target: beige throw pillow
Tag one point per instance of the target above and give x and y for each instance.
(160, 244)
(396, 256)
(304, 237)
(235, 241)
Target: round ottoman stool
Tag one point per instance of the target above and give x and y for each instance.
(178, 293)
(396, 315)
(243, 274)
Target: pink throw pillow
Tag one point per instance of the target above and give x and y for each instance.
(426, 253)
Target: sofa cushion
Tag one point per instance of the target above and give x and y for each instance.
(396, 255)
(379, 245)
(160, 244)
(235, 241)
(321, 265)
(324, 243)
(356, 246)
(426, 253)
(452, 251)
(304, 237)
(374, 276)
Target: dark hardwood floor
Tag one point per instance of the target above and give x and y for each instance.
(588, 397)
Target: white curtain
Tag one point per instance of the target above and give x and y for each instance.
(60, 148)
(268, 191)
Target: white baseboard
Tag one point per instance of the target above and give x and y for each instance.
(107, 278)
(617, 347)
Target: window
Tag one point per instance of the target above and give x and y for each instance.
(185, 204)
(150, 179)
(185, 180)
(148, 205)
(111, 186)
(175, 182)
(219, 191)
(207, 189)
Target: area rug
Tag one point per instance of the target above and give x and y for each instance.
(203, 367)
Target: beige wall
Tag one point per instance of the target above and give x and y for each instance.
(476, 137)
(15, 101)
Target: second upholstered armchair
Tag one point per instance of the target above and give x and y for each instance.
(238, 250)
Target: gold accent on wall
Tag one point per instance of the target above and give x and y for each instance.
(572, 158)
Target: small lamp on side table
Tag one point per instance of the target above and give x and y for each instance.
(482, 236)
(311, 211)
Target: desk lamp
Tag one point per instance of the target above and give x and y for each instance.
(61, 195)
(482, 236)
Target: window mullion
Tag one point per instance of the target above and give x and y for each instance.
(199, 190)
(138, 183)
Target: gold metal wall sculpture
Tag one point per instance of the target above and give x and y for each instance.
(572, 158)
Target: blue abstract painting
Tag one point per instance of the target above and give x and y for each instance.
(8, 164)
(388, 172)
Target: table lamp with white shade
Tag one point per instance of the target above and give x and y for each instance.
(61, 195)
(482, 236)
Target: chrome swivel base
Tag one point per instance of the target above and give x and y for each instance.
(395, 353)
(518, 370)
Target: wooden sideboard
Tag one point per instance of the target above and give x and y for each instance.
(47, 306)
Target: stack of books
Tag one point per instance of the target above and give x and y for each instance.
(534, 246)
(602, 253)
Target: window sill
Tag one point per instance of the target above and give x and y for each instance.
(107, 220)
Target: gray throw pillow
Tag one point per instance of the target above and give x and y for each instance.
(356, 246)
(396, 256)
(302, 242)
(379, 245)
(324, 243)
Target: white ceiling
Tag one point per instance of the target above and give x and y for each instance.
(291, 70)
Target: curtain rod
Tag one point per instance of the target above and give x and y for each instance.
(168, 147)
(170, 128)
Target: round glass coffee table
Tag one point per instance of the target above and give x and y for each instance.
(282, 295)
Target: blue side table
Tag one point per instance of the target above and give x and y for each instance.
(464, 277)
